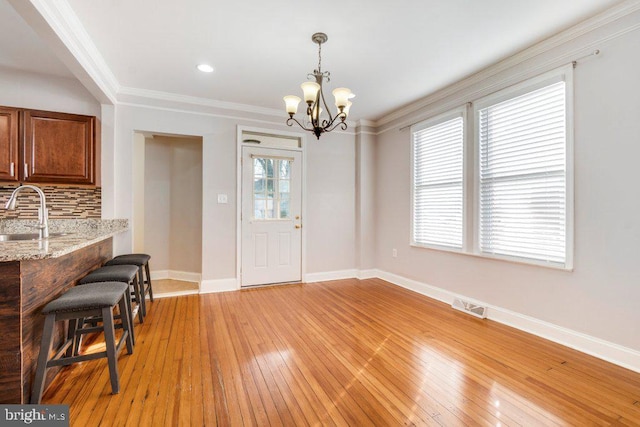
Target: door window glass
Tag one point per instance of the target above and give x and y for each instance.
(271, 186)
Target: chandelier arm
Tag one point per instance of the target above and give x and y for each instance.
(290, 121)
(314, 120)
(326, 107)
(342, 124)
(327, 123)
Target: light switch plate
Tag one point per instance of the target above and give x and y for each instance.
(222, 198)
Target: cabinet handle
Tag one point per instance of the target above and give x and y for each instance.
(12, 168)
(26, 171)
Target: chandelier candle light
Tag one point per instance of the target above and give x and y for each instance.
(314, 98)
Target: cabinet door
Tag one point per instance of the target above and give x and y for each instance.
(8, 144)
(58, 147)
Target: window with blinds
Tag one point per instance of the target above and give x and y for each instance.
(522, 176)
(438, 183)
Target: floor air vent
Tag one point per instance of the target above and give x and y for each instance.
(470, 308)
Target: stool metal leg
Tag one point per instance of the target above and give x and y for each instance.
(72, 327)
(146, 266)
(141, 280)
(129, 314)
(110, 341)
(136, 293)
(127, 326)
(143, 300)
(45, 349)
(77, 340)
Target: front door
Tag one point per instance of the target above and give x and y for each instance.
(271, 211)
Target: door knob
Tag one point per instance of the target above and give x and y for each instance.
(298, 226)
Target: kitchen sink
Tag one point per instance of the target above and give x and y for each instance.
(27, 236)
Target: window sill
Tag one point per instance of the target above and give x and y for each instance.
(505, 258)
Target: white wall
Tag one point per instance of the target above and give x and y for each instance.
(600, 297)
(138, 214)
(157, 201)
(23, 89)
(186, 204)
(330, 191)
(365, 248)
(330, 197)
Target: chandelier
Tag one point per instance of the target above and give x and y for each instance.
(315, 121)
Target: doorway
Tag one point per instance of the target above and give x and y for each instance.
(168, 220)
(271, 214)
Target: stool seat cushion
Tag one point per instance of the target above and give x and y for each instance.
(111, 273)
(80, 298)
(130, 259)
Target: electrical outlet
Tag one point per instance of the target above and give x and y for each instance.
(222, 198)
(394, 253)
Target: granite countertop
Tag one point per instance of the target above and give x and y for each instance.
(80, 233)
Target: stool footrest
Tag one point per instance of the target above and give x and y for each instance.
(69, 360)
(63, 349)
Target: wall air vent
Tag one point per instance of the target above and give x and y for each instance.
(470, 308)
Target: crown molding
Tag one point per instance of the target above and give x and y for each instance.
(365, 127)
(610, 15)
(365, 123)
(172, 101)
(152, 98)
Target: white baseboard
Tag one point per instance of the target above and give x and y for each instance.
(174, 294)
(176, 275)
(329, 275)
(186, 276)
(367, 274)
(219, 285)
(159, 274)
(611, 352)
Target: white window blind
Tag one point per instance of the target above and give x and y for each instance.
(523, 176)
(438, 184)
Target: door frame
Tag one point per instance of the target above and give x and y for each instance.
(302, 150)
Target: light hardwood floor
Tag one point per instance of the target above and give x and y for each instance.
(170, 287)
(348, 352)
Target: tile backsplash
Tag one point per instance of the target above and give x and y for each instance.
(62, 202)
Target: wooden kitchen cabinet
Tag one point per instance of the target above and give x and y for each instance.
(58, 147)
(8, 144)
(46, 147)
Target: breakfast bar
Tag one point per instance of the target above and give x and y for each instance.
(34, 272)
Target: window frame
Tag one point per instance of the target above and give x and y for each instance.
(434, 121)
(471, 167)
(560, 74)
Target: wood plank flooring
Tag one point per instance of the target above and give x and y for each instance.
(163, 288)
(343, 353)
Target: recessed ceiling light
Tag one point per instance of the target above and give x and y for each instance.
(205, 68)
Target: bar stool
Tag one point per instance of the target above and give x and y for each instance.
(142, 261)
(119, 273)
(81, 302)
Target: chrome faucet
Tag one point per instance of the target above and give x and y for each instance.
(43, 213)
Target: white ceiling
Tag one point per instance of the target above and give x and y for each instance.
(388, 53)
(21, 49)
